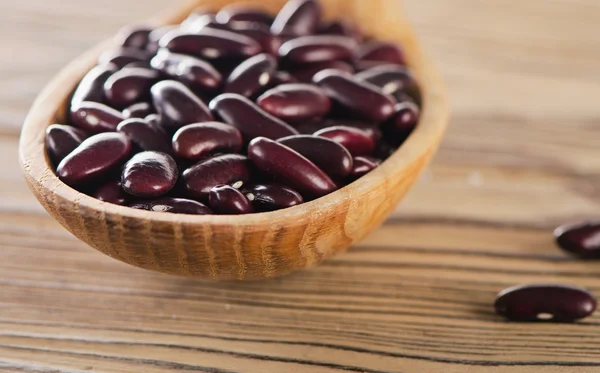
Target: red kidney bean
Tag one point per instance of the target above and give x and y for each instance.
(327, 154)
(191, 71)
(94, 158)
(406, 118)
(196, 141)
(123, 56)
(371, 129)
(96, 117)
(357, 141)
(260, 33)
(272, 197)
(290, 167)
(111, 192)
(173, 206)
(581, 239)
(146, 136)
(317, 48)
(381, 51)
(156, 35)
(558, 303)
(244, 13)
(149, 174)
(297, 17)
(130, 85)
(153, 119)
(211, 44)
(250, 119)
(91, 87)
(282, 77)
(390, 78)
(139, 110)
(134, 37)
(361, 98)
(342, 28)
(362, 166)
(227, 200)
(252, 75)
(61, 140)
(306, 73)
(177, 105)
(295, 103)
(207, 174)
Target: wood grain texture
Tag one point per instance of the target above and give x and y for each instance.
(414, 297)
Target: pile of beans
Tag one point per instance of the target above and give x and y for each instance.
(235, 112)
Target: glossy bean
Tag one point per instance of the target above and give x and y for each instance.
(123, 56)
(207, 174)
(134, 37)
(371, 129)
(580, 239)
(145, 136)
(149, 174)
(297, 17)
(197, 18)
(156, 35)
(248, 118)
(295, 103)
(252, 75)
(390, 78)
(272, 197)
(112, 192)
(177, 105)
(173, 206)
(359, 97)
(227, 200)
(357, 141)
(130, 85)
(306, 73)
(61, 140)
(342, 28)
(211, 44)
(91, 87)
(245, 13)
(316, 48)
(95, 157)
(289, 167)
(558, 303)
(196, 141)
(380, 51)
(362, 166)
(282, 77)
(328, 155)
(405, 119)
(191, 71)
(270, 43)
(139, 110)
(96, 117)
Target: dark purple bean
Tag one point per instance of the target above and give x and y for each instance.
(359, 97)
(362, 166)
(96, 117)
(581, 239)
(290, 167)
(357, 141)
(145, 135)
(139, 110)
(317, 48)
(371, 129)
(545, 302)
(196, 141)
(173, 206)
(197, 18)
(342, 28)
(250, 119)
(252, 75)
(91, 87)
(390, 78)
(134, 37)
(227, 200)
(406, 118)
(306, 73)
(154, 120)
(177, 105)
(142, 65)
(61, 140)
(380, 51)
(130, 85)
(95, 157)
(414, 94)
(123, 56)
(191, 71)
(297, 17)
(282, 77)
(112, 192)
(270, 43)
(207, 174)
(149, 174)
(327, 154)
(244, 13)
(211, 44)
(295, 103)
(272, 197)
(384, 150)
(156, 35)
(309, 128)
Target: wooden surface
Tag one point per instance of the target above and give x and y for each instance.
(521, 156)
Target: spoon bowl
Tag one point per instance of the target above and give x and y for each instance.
(244, 247)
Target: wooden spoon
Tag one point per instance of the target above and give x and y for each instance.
(250, 246)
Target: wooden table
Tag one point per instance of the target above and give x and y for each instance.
(522, 155)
